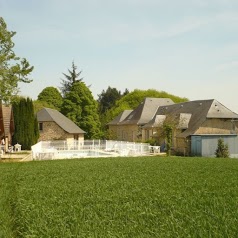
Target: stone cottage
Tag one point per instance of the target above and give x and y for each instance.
(128, 125)
(53, 125)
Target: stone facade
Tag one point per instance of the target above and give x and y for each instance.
(217, 126)
(199, 117)
(51, 131)
(148, 134)
(125, 132)
(212, 126)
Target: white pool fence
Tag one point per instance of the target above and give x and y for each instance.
(45, 150)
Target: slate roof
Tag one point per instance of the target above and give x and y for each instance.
(48, 114)
(199, 110)
(155, 122)
(145, 111)
(120, 117)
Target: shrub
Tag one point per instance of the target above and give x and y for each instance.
(222, 150)
(151, 142)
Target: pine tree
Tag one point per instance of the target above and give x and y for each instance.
(222, 150)
(72, 78)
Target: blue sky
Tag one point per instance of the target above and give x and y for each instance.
(188, 48)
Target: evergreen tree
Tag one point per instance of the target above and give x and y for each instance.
(72, 78)
(222, 150)
(106, 100)
(80, 106)
(26, 125)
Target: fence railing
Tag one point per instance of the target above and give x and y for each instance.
(87, 148)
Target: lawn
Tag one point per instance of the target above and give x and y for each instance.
(120, 197)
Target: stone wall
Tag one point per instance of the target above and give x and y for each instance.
(183, 146)
(51, 131)
(216, 126)
(124, 132)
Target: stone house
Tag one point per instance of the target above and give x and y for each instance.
(6, 126)
(190, 119)
(115, 131)
(127, 126)
(53, 125)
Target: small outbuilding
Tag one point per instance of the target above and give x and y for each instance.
(206, 145)
(17, 147)
(53, 125)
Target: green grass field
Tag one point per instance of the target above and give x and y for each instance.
(120, 197)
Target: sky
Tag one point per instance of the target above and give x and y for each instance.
(188, 48)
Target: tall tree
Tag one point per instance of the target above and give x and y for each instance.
(108, 98)
(26, 126)
(80, 106)
(52, 96)
(12, 68)
(72, 78)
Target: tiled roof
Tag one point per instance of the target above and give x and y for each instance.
(48, 114)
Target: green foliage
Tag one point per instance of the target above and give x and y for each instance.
(168, 131)
(134, 98)
(151, 141)
(12, 69)
(80, 106)
(72, 78)
(38, 105)
(26, 125)
(119, 197)
(106, 100)
(222, 150)
(52, 96)
(109, 134)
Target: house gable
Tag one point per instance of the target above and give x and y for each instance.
(52, 131)
(217, 110)
(48, 114)
(55, 126)
(146, 111)
(120, 117)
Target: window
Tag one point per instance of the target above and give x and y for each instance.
(76, 137)
(41, 126)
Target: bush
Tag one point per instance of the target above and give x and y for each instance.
(152, 142)
(222, 150)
